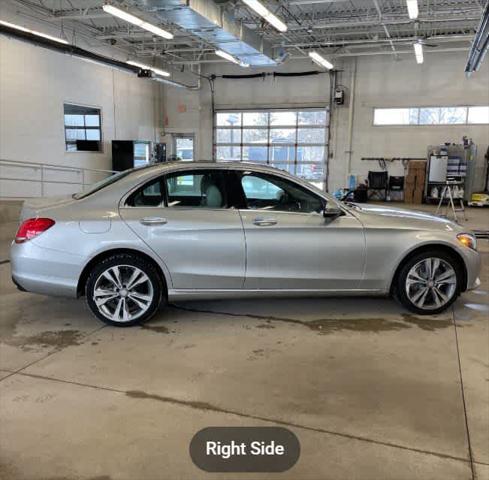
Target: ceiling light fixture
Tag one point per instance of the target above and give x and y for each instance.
(147, 67)
(263, 11)
(227, 56)
(128, 17)
(418, 52)
(320, 60)
(413, 11)
(34, 32)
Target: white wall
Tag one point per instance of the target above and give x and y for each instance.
(379, 81)
(34, 84)
(440, 81)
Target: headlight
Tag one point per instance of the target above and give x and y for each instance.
(467, 240)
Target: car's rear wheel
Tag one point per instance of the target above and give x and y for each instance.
(123, 290)
(429, 282)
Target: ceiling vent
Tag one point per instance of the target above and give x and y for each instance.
(206, 20)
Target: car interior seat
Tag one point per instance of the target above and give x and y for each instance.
(212, 196)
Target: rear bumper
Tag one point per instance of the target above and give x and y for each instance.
(42, 270)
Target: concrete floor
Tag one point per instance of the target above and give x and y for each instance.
(371, 391)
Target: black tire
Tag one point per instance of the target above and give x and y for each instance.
(399, 289)
(124, 262)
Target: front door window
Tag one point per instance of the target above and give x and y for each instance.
(267, 192)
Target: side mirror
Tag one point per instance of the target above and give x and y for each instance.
(331, 211)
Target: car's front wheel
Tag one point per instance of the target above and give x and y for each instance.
(429, 282)
(123, 290)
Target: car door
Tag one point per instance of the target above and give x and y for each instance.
(184, 217)
(291, 245)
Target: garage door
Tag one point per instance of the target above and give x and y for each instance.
(292, 140)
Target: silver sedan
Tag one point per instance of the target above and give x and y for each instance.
(182, 231)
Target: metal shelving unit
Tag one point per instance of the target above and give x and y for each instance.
(454, 163)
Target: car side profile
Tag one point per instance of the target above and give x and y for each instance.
(195, 230)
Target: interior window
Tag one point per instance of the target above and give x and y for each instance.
(150, 195)
(266, 192)
(204, 189)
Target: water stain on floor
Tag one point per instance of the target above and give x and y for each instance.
(325, 326)
(429, 324)
(329, 325)
(156, 328)
(57, 339)
(265, 325)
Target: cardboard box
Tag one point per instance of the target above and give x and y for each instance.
(416, 165)
(414, 181)
(418, 196)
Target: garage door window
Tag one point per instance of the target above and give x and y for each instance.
(292, 140)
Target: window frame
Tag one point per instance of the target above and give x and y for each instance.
(240, 127)
(240, 174)
(164, 191)
(421, 107)
(200, 171)
(139, 188)
(85, 128)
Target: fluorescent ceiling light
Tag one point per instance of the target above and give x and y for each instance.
(34, 32)
(418, 52)
(412, 6)
(227, 56)
(263, 11)
(126, 16)
(320, 60)
(147, 67)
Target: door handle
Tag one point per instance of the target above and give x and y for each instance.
(264, 222)
(153, 221)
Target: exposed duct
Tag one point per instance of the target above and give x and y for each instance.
(480, 44)
(206, 20)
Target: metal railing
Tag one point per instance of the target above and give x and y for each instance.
(42, 173)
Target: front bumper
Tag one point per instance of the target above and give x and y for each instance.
(472, 260)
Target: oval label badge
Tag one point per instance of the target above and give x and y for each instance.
(244, 449)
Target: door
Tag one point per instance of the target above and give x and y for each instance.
(291, 245)
(184, 218)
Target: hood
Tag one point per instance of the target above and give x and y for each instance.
(33, 206)
(401, 218)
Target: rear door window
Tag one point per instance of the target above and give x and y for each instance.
(198, 189)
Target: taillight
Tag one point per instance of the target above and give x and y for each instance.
(32, 228)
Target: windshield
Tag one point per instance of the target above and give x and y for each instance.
(102, 184)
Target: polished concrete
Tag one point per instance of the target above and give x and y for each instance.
(371, 391)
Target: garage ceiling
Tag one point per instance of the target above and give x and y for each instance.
(334, 27)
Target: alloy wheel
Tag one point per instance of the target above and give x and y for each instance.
(431, 283)
(123, 293)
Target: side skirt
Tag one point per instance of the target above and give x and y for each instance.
(210, 294)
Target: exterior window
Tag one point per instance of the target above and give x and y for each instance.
(478, 115)
(83, 128)
(291, 140)
(431, 116)
(202, 189)
(266, 192)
